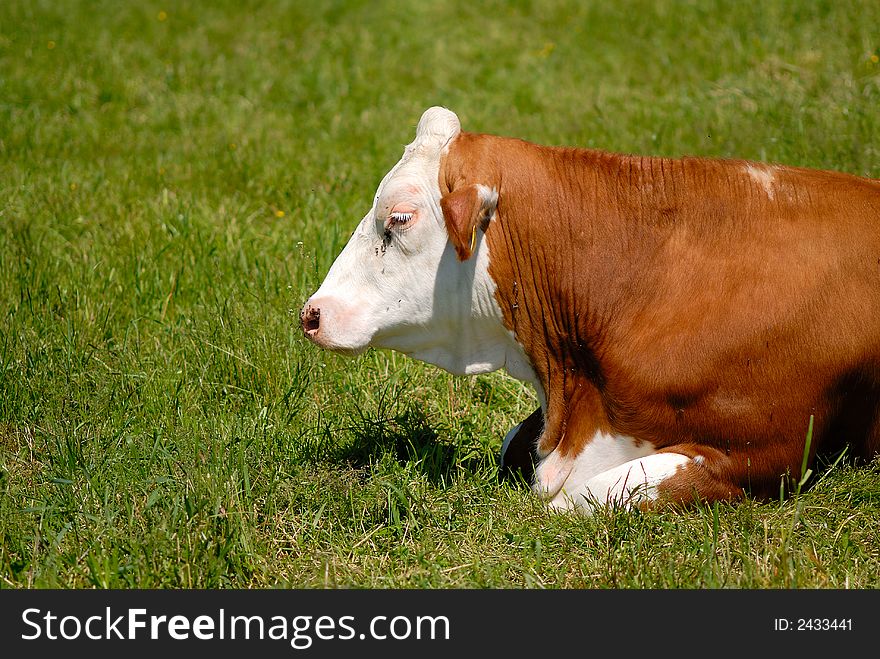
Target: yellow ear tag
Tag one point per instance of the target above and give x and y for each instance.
(474, 239)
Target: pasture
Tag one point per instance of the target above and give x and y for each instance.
(176, 179)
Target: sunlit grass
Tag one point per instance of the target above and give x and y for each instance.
(175, 180)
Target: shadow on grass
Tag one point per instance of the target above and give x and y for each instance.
(412, 439)
(436, 451)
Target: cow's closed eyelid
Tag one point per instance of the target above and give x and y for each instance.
(399, 219)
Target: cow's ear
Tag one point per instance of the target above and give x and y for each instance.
(465, 210)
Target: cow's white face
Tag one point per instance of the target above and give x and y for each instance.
(398, 283)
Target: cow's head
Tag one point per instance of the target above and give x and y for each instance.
(414, 275)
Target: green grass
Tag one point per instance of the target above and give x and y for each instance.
(172, 190)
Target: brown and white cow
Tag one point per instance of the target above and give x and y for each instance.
(681, 320)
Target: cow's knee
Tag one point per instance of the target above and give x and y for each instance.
(709, 476)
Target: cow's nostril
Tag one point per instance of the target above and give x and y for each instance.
(311, 320)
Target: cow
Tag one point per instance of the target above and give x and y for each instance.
(695, 329)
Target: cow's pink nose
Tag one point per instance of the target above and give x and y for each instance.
(311, 320)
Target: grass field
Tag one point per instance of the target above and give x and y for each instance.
(175, 180)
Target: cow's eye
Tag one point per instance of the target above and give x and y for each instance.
(397, 218)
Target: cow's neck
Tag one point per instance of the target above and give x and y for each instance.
(556, 244)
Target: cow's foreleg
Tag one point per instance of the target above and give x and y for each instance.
(665, 476)
(631, 484)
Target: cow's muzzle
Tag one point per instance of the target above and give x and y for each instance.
(330, 324)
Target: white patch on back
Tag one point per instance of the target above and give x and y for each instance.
(764, 177)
